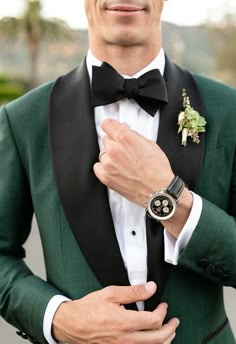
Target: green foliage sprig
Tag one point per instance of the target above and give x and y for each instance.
(190, 122)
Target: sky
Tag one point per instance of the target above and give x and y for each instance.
(182, 12)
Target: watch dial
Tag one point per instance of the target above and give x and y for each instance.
(161, 206)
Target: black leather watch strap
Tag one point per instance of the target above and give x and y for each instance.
(176, 187)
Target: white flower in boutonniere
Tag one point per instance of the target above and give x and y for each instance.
(190, 122)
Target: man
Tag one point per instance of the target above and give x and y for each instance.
(86, 165)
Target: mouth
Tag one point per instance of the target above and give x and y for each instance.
(125, 9)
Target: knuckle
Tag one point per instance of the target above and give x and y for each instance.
(161, 339)
(154, 144)
(119, 341)
(109, 291)
(107, 124)
(136, 290)
(156, 323)
(129, 341)
(103, 177)
(123, 340)
(121, 136)
(111, 151)
(124, 326)
(107, 165)
(106, 139)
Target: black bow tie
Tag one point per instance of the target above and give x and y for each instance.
(109, 87)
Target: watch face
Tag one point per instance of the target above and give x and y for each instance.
(162, 206)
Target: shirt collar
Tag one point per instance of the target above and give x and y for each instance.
(157, 63)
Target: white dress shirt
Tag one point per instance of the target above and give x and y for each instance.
(128, 217)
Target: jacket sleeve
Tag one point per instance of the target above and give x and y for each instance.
(23, 296)
(211, 251)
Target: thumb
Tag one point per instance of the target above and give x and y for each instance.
(130, 294)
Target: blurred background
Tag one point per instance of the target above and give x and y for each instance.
(42, 39)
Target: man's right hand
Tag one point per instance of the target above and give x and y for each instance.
(100, 318)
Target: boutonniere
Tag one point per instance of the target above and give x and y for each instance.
(190, 122)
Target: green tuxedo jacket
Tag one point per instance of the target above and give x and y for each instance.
(48, 145)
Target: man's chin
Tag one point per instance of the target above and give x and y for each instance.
(125, 39)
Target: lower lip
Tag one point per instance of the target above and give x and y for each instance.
(125, 13)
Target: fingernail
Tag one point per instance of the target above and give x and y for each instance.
(150, 286)
(177, 322)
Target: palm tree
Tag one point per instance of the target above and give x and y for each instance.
(35, 28)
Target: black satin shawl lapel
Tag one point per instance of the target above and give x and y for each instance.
(74, 150)
(185, 161)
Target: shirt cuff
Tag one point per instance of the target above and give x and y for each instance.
(173, 247)
(51, 309)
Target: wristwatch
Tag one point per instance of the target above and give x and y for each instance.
(162, 204)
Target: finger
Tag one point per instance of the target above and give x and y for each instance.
(164, 335)
(101, 154)
(129, 294)
(169, 340)
(108, 143)
(152, 336)
(160, 312)
(120, 132)
(151, 320)
(99, 172)
(114, 129)
(168, 330)
(126, 124)
(144, 320)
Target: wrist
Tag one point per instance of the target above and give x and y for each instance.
(58, 321)
(175, 225)
(49, 314)
(151, 186)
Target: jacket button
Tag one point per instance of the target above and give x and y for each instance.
(33, 340)
(22, 335)
(19, 333)
(218, 273)
(210, 269)
(225, 278)
(203, 262)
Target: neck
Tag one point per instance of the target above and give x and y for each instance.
(127, 60)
